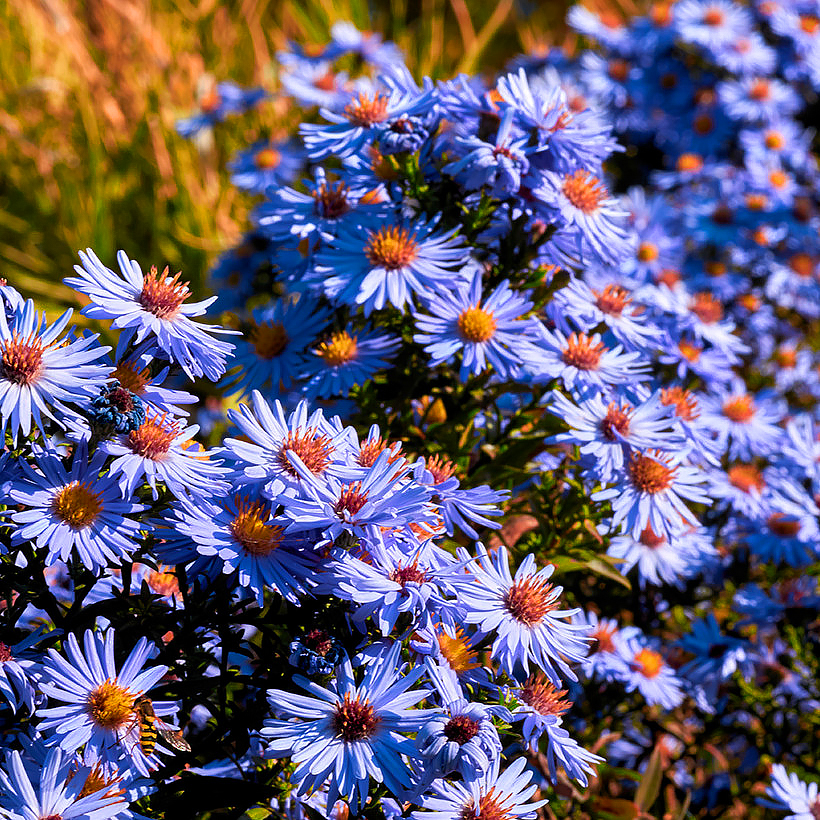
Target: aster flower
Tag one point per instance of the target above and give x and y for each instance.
(150, 309)
(346, 359)
(603, 661)
(711, 23)
(787, 792)
(52, 791)
(487, 332)
(264, 457)
(244, 537)
(501, 795)
(645, 669)
(81, 512)
(38, 369)
(349, 733)
(217, 103)
(143, 380)
(19, 671)
(115, 410)
(522, 614)
(388, 264)
(265, 164)
(100, 700)
(649, 492)
(160, 449)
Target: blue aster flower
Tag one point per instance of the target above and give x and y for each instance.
(388, 264)
(541, 709)
(347, 734)
(787, 792)
(522, 614)
(115, 410)
(486, 331)
(38, 370)
(20, 671)
(711, 23)
(650, 491)
(149, 308)
(645, 669)
(273, 352)
(602, 662)
(99, 699)
(79, 512)
(494, 794)
(758, 99)
(242, 536)
(52, 791)
(223, 99)
(345, 38)
(346, 359)
(160, 449)
(265, 164)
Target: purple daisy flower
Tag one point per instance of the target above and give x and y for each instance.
(37, 369)
(161, 449)
(645, 669)
(345, 360)
(711, 23)
(486, 332)
(522, 614)
(787, 792)
(20, 671)
(266, 164)
(217, 103)
(100, 700)
(51, 790)
(388, 264)
(80, 512)
(348, 734)
(150, 309)
(494, 794)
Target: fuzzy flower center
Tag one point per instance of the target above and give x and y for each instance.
(612, 300)
(476, 325)
(746, 477)
(366, 111)
(615, 420)
(269, 339)
(5, 653)
(603, 636)
(21, 359)
(153, 438)
(318, 641)
(251, 529)
(689, 162)
(685, 404)
(739, 409)
(773, 140)
(372, 448)
(130, 378)
(706, 308)
(491, 806)
(314, 450)
(210, 101)
(582, 353)
(97, 782)
(109, 705)
(648, 252)
(76, 505)
(649, 475)
(584, 191)
(786, 357)
(648, 663)
(161, 295)
(802, 264)
(539, 693)
(460, 729)
(713, 16)
(163, 582)
(340, 349)
(440, 468)
(649, 538)
(691, 352)
(528, 601)
(457, 652)
(267, 158)
(354, 719)
(759, 90)
(618, 70)
(331, 202)
(783, 525)
(410, 573)
(351, 499)
(391, 248)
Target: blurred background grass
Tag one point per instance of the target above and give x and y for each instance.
(91, 89)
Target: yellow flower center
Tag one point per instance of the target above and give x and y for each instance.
(269, 339)
(476, 325)
(341, 348)
(77, 505)
(267, 158)
(648, 663)
(253, 532)
(391, 248)
(109, 705)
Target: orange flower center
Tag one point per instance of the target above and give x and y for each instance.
(365, 111)
(251, 529)
(109, 705)
(351, 499)
(161, 295)
(759, 89)
(391, 248)
(314, 450)
(153, 438)
(648, 663)
(491, 806)
(616, 419)
(163, 582)
(539, 693)
(267, 158)
(690, 351)
(584, 191)
(581, 353)
(129, 378)
(612, 300)
(648, 252)
(269, 339)
(783, 525)
(649, 475)
(529, 601)
(746, 477)
(331, 203)
(476, 325)
(77, 505)
(354, 719)
(603, 637)
(21, 360)
(739, 409)
(340, 349)
(713, 16)
(457, 651)
(689, 162)
(618, 70)
(786, 357)
(773, 140)
(410, 573)
(706, 308)
(649, 538)
(460, 729)
(802, 264)
(685, 404)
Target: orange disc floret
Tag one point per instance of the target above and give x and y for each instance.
(584, 191)
(650, 473)
(580, 352)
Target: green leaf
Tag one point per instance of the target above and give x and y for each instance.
(650, 787)
(612, 808)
